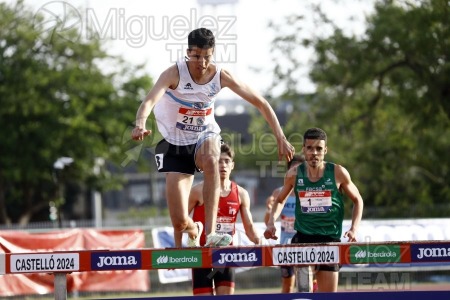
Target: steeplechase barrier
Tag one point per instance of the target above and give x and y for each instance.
(61, 263)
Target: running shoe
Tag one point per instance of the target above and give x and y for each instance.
(195, 242)
(218, 240)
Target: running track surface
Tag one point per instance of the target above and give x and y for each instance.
(411, 295)
(414, 292)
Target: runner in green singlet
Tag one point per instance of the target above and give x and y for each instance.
(319, 188)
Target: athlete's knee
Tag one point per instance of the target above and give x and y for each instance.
(180, 225)
(210, 163)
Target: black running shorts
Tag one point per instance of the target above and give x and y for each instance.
(299, 238)
(204, 279)
(173, 158)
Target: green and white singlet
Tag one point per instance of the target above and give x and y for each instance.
(319, 205)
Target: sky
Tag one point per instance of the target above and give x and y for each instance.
(155, 35)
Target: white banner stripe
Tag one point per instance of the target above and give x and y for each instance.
(305, 255)
(56, 262)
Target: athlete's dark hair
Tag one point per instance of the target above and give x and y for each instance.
(314, 134)
(201, 38)
(224, 148)
(297, 158)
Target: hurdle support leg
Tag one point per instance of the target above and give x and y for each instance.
(304, 279)
(60, 286)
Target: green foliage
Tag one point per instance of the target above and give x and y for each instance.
(57, 101)
(384, 99)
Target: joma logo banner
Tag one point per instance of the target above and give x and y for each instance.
(245, 257)
(124, 260)
(430, 252)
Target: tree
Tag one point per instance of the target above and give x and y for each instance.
(57, 101)
(383, 97)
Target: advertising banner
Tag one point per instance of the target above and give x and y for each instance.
(129, 279)
(163, 238)
(362, 257)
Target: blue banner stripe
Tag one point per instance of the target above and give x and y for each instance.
(397, 295)
(189, 104)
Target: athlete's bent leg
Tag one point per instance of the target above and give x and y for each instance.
(288, 284)
(207, 160)
(224, 281)
(327, 281)
(178, 187)
(224, 290)
(287, 279)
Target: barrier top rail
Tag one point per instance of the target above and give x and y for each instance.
(382, 253)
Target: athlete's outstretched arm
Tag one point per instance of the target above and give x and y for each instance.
(246, 216)
(285, 149)
(269, 203)
(279, 202)
(169, 78)
(347, 186)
